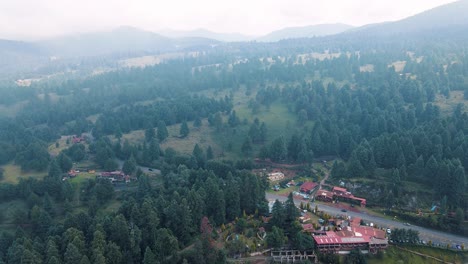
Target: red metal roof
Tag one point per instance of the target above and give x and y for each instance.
(334, 239)
(308, 227)
(369, 231)
(325, 193)
(308, 186)
(339, 189)
(356, 222)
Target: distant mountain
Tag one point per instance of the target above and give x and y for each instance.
(447, 17)
(203, 33)
(19, 54)
(123, 40)
(305, 32)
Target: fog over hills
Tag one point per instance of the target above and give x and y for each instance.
(129, 41)
(204, 33)
(120, 40)
(449, 16)
(305, 32)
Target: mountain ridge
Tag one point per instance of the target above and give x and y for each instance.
(305, 32)
(441, 17)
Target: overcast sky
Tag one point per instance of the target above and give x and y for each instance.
(29, 19)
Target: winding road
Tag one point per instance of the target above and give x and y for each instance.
(437, 237)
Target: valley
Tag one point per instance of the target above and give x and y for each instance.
(348, 144)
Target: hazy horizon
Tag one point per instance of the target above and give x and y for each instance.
(29, 19)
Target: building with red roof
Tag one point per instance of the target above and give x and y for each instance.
(309, 228)
(344, 195)
(325, 196)
(343, 242)
(339, 190)
(307, 187)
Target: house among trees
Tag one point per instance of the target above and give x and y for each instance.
(76, 139)
(72, 173)
(275, 176)
(325, 196)
(342, 194)
(114, 176)
(308, 228)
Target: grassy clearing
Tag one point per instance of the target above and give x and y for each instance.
(395, 255)
(399, 65)
(82, 177)
(13, 173)
(112, 207)
(54, 150)
(367, 68)
(285, 191)
(198, 135)
(93, 118)
(448, 105)
(278, 119)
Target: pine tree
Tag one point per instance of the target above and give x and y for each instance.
(209, 153)
(149, 134)
(162, 131)
(72, 254)
(184, 129)
(290, 209)
(149, 257)
(129, 166)
(275, 238)
(199, 155)
(278, 151)
(246, 146)
(197, 122)
(277, 214)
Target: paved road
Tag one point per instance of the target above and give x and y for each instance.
(425, 234)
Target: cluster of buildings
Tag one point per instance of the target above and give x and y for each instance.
(348, 234)
(341, 194)
(350, 237)
(275, 176)
(114, 176)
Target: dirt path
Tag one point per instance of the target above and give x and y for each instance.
(324, 179)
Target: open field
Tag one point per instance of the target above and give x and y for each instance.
(395, 255)
(277, 118)
(367, 68)
(399, 65)
(82, 177)
(54, 151)
(198, 135)
(93, 118)
(447, 105)
(13, 173)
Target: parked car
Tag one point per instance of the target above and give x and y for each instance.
(343, 210)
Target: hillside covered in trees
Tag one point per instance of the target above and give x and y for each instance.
(391, 112)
